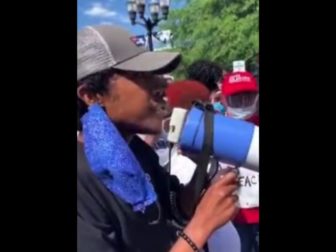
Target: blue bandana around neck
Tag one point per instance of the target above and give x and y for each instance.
(112, 161)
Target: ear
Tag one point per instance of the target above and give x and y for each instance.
(216, 96)
(87, 96)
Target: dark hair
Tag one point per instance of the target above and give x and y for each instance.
(206, 72)
(95, 83)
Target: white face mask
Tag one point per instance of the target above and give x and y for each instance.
(243, 113)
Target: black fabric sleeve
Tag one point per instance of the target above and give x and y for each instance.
(175, 184)
(174, 197)
(90, 239)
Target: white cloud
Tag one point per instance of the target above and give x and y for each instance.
(98, 10)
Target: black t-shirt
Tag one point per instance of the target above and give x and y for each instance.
(105, 223)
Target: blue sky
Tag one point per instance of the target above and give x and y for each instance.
(94, 12)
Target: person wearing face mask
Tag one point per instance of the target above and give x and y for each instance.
(210, 74)
(241, 97)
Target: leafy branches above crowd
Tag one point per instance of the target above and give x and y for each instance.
(218, 30)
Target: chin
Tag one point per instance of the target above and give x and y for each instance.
(147, 127)
(132, 128)
(153, 127)
(150, 131)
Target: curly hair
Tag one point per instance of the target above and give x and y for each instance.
(206, 72)
(96, 83)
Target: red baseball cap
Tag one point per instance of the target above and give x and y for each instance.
(238, 82)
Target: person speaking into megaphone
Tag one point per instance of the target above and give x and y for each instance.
(123, 194)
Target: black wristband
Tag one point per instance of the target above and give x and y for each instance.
(188, 240)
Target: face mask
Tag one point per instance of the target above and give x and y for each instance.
(242, 113)
(218, 106)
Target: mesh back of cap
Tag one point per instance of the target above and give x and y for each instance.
(93, 54)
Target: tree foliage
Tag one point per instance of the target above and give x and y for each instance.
(217, 30)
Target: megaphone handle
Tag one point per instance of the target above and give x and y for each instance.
(201, 176)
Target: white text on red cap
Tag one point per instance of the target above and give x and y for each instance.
(238, 78)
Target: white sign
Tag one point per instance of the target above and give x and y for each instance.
(163, 40)
(164, 36)
(248, 191)
(248, 188)
(239, 66)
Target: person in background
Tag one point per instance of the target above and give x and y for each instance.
(183, 93)
(241, 98)
(240, 94)
(123, 194)
(211, 75)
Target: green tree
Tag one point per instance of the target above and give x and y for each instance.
(217, 30)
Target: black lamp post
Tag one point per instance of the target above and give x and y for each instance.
(139, 6)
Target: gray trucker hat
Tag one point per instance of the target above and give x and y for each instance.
(105, 46)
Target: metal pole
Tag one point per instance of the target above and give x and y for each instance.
(150, 40)
(149, 27)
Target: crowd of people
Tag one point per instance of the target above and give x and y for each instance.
(134, 188)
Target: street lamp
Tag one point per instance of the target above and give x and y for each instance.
(132, 8)
(139, 6)
(164, 5)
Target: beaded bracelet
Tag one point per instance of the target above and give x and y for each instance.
(188, 240)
